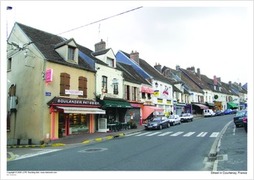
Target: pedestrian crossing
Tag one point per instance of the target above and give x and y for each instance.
(175, 134)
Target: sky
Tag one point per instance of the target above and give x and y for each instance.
(216, 37)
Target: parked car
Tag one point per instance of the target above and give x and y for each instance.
(219, 113)
(186, 117)
(174, 120)
(240, 116)
(158, 123)
(208, 113)
(227, 111)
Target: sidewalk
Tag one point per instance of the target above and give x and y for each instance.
(97, 136)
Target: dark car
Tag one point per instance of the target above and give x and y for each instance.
(186, 117)
(158, 123)
(227, 111)
(219, 113)
(239, 117)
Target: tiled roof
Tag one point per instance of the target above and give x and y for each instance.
(98, 53)
(151, 70)
(129, 74)
(195, 78)
(46, 43)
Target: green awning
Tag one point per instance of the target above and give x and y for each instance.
(232, 105)
(115, 104)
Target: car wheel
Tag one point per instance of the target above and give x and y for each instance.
(160, 127)
(168, 125)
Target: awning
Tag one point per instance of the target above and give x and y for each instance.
(232, 105)
(201, 106)
(80, 110)
(115, 104)
(147, 110)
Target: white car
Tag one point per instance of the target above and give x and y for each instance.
(174, 119)
(208, 112)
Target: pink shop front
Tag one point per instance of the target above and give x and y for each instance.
(70, 116)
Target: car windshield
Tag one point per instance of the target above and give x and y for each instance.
(240, 113)
(157, 119)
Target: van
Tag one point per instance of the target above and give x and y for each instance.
(208, 113)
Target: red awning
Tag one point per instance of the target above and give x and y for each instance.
(147, 110)
(146, 89)
(201, 106)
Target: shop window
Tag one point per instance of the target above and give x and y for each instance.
(64, 83)
(79, 123)
(83, 86)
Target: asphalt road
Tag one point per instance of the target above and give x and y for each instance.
(183, 147)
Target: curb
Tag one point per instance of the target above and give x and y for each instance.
(212, 156)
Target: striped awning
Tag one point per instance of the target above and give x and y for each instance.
(201, 106)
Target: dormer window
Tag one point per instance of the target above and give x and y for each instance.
(110, 62)
(68, 51)
(71, 53)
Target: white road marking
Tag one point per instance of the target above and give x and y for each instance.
(178, 133)
(143, 134)
(214, 134)
(202, 134)
(37, 154)
(189, 134)
(153, 134)
(164, 134)
(132, 134)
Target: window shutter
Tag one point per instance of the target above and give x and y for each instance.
(83, 86)
(64, 83)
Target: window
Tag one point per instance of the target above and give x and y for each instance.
(143, 95)
(9, 64)
(8, 121)
(71, 53)
(110, 62)
(64, 83)
(115, 90)
(104, 84)
(134, 93)
(149, 96)
(82, 81)
(127, 92)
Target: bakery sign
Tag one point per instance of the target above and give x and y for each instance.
(71, 101)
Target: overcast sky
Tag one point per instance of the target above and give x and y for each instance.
(216, 37)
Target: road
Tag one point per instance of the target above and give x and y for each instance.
(183, 147)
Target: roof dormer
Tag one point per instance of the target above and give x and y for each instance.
(68, 51)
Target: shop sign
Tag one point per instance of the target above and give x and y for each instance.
(71, 101)
(73, 92)
(49, 75)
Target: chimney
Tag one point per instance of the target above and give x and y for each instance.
(192, 69)
(158, 67)
(135, 56)
(100, 46)
(215, 80)
(177, 67)
(178, 72)
(219, 79)
(198, 72)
